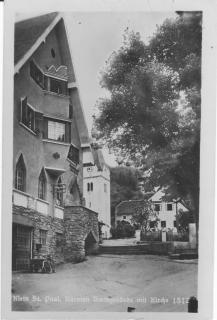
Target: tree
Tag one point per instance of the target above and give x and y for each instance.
(152, 116)
(124, 186)
(144, 215)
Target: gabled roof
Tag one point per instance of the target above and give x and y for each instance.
(129, 206)
(158, 196)
(27, 33)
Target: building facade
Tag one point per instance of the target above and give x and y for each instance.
(165, 212)
(50, 136)
(96, 188)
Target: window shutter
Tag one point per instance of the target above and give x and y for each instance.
(23, 106)
(70, 111)
(45, 128)
(68, 132)
(38, 122)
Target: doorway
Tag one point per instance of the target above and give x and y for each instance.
(21, 247)
(90, 244)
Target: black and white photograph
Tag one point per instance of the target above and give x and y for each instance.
(107, 162)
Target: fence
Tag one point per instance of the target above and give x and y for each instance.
(151, 236)
(170, 236)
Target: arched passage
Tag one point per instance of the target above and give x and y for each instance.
(90, 244)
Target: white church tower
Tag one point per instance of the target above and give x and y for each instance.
(96, 186)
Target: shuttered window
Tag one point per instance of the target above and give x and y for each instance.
(56, 130)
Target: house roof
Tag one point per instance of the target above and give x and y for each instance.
(128, 207)
(157, 196)
(27, 33)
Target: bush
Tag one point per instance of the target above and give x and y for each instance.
(123, 230)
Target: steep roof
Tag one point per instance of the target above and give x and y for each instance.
(27, 33)
(129, 207)
(98, 158)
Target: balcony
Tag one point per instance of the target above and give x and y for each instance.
(58, 212)
(20, 198)
(42, 206)
(25, 200)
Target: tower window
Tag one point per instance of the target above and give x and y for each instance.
(90, 186)
(105, 187)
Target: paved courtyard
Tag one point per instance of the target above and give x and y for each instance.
(109, 283)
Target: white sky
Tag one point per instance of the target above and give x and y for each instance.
(93, 37)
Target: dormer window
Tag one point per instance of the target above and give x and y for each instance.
(73, 154)
(58, 86)
(37, 74)
(54, 80)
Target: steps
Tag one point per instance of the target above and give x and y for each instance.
(184, 255)
(127, 249)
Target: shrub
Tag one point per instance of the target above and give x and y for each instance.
(123, 230)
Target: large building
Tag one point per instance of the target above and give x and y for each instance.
(49, 150)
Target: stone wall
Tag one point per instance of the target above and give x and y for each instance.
(51, 225)
(80, 224)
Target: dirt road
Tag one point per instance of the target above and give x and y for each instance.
(109, 283)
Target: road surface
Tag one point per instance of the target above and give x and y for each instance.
(109, 283)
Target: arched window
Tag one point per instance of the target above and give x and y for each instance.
(90, 186)
(20, 177)
(59, 192)
(42, 185)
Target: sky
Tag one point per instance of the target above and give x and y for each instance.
(93, 36)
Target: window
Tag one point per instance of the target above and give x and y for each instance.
(53, 54)
(169, 207)
(105, 187)
(58, 86)
(73, 154)
(20, 176)
(56, 130)
(27, 115)
(47, 82)
(152, 224)
(59, 192)
(43, 237)
(124, 217)
(42, 186)
(36, 74)
(174, 224)
(90, 186)
(157, 207)
(163, 224)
